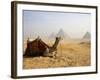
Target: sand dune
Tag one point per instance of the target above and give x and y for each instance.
(70, 54)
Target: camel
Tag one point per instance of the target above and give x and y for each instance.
(39, 48)
(52, 51)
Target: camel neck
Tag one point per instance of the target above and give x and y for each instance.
(55, 43)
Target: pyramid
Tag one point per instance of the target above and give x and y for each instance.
(62, 34)
(52, 36)
(87, 35)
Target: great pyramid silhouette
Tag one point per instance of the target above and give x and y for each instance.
(87, 35)
(62, 34)
(52, 35)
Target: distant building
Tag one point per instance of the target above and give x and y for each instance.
(87, 35)
(52, 35)
(62, 34)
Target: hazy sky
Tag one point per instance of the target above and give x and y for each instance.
(43, 23)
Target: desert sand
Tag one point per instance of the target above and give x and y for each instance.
(70, 53)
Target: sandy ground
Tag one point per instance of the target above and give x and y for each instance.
(71, 53)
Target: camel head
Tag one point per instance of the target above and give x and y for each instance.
(58, 38)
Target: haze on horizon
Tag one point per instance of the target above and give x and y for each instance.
(43, 23)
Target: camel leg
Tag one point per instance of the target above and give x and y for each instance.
(55, 54)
